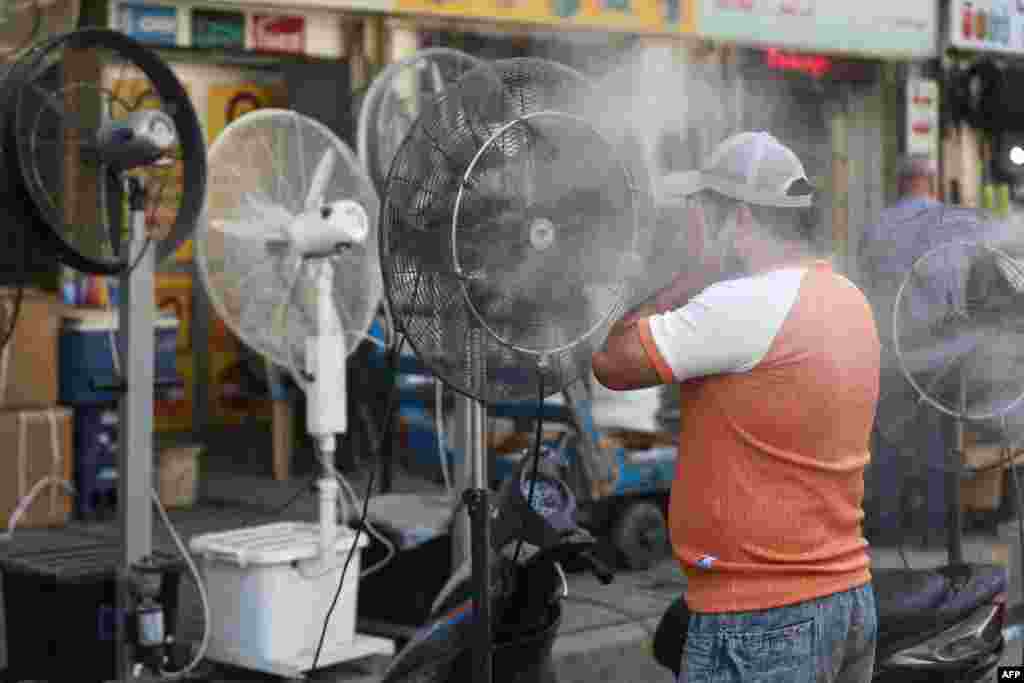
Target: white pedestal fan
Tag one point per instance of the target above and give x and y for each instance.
(287, 252)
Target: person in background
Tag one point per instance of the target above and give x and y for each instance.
(907, 491)
(777, 358)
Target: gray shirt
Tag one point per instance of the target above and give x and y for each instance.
(892, 246)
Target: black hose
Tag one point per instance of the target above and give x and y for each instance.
(536, 455)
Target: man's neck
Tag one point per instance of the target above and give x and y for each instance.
(786, 257)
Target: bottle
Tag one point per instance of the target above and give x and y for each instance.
(967, 20)
(981, 24)
(1000, 23)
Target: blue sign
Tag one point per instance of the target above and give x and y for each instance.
(150, 24)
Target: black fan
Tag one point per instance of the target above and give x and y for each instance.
(84, 112)
(508, 231)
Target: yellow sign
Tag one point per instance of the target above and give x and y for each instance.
(225, 103)
(639, 16)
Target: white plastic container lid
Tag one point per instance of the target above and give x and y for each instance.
(91, 320)
(270, 544)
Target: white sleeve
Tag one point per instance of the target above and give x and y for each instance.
(729, 327)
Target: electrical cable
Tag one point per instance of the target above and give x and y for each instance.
(611, 607)
(27, 499)
(370, 529)
(388, 431)
(536, 455)
(204, 644)
(343, 503)
(442, 446)
(299, 492)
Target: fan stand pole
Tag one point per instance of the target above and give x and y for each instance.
(955, 533)
(137, 321)
(478, 505)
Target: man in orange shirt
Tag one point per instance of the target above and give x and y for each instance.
(778, 369)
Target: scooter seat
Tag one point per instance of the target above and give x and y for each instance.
(908, 590)
(912, 604)
(915, 604)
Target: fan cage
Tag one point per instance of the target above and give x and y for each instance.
(21, 168)
(425, 292)
(989, 301)
(520, 131)
(267, 295)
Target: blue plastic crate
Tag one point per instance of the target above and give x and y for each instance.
(96, 436)
(87, 362)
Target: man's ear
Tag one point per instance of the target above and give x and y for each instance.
(744, 217)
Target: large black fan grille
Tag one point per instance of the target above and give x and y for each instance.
(58, 96)
(445, 275)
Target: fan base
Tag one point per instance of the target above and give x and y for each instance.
(359, 647)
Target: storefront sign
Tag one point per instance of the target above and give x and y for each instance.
(641, 16)
(812, 65)
(987, 25)
(879, 28)
(923, 117)
(150, 24)
(278, 33)
(218, 29)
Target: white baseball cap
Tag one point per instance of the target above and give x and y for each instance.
(751, 167)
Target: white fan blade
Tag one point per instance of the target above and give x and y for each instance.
(321, 175)
(259, 204)
(258, 220)
(252, 229)
(436, 79)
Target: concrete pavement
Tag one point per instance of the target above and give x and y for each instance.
(606, 630)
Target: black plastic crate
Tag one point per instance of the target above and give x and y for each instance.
(59, 607)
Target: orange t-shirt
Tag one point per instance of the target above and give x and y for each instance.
(778, 377)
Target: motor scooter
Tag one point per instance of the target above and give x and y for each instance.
(530, 543)
(944, 624)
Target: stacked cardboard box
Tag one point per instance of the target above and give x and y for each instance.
(35, 433)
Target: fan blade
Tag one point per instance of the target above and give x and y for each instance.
(258, 220)
(322, 174)
(1012, 270)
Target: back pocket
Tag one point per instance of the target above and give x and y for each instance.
(777, 655)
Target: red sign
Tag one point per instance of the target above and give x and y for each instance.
(279, 33)
(814, 65)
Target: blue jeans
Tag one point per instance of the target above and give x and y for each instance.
(827, 640)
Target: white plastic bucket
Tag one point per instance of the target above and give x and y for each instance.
(269, 595)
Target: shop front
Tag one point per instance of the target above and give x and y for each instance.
(819, 75)
(233, 57)
(983, 136)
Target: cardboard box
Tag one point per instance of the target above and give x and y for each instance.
(39, 445)
(178, 476)
(28, 364)
(984, 491)
(986, 455)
